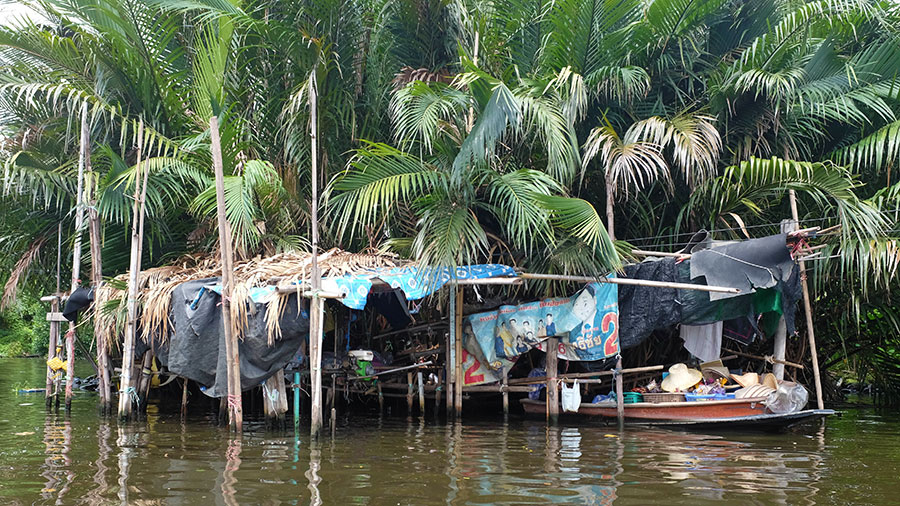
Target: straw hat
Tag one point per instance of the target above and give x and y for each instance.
(746, 380)
(680, 378)
(753, 391)
(715, 372)
(770, 381)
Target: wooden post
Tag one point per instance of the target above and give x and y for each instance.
(232, 352)
(409, 392)
(450, 357)
(620, 395)
(51, 390)
(96, 242)
(315, 329)
(460, 380)
(49, 393)
(807, 308)
(421, 393)
(126, 388)
(552, 380)
(504, 387)
(76, 253)
(146, 376)
(437, 394)
(380, 398)
(780, 345)
(184, 396)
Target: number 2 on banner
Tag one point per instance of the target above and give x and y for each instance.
(470, 377)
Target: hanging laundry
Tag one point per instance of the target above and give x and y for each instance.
(703, 341)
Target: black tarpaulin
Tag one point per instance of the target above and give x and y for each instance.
(745, 265)
(196, 349)
(80, 299)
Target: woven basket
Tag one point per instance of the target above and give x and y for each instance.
(664, 397)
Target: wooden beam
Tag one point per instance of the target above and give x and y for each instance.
(457, 324)
(620, 394)
(646, 253)
(580, 375)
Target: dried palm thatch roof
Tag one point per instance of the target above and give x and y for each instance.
(155, 288)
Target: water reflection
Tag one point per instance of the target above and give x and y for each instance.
(389, 460)
(312, 474)
(57, 470)
(232, 465)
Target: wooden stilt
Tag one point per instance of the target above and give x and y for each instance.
(437, 395)
(316, 304)
(380, 398)
(450, 360)
(421, 393)
(460, 379)
(409, 392)
(552, 380)
(145, 376)
(780, 345)
(504, 386)
(620, 395)
(807, 309)
(52, 352)
(232, 352)
(296, 387)
(184, 397)
(126, 387)
(76, 253)
(96, 240)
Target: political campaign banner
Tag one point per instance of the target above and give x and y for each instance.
(585, 323)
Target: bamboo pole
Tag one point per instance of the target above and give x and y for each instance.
(460, 380)
(552, 381)
(505, 390)
(50, 393)
(315, 328)
(96, 280)
(767, 359)
(126, 389)
(232, 352)
(437, 395)
(184, 397)
(409, 392)
(629, 281)
(76, 253)
(579, 375)
(807, 308)
(296, 387)
(421, 393)
(620, 395)
(450, 356)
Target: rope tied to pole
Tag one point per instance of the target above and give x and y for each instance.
(234, 401)
(132, 393)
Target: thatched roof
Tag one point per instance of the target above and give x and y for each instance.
(155, 288)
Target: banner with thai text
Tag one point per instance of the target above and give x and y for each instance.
(585, 323)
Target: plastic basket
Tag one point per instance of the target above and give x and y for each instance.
(664, 397)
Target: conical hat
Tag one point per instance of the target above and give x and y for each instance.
(680, 378)
(753, 391)
(746, 380)
(770, 381)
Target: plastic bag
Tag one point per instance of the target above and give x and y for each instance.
(571, 397)
(788, 398)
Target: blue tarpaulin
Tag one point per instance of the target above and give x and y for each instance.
(416, 283)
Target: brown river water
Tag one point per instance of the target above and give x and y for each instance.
(48, 458)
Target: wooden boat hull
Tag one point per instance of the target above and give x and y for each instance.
(730, 414)
(667, 410)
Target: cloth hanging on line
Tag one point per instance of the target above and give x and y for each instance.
(703, 341)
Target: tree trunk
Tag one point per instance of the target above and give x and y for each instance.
(610, 203)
